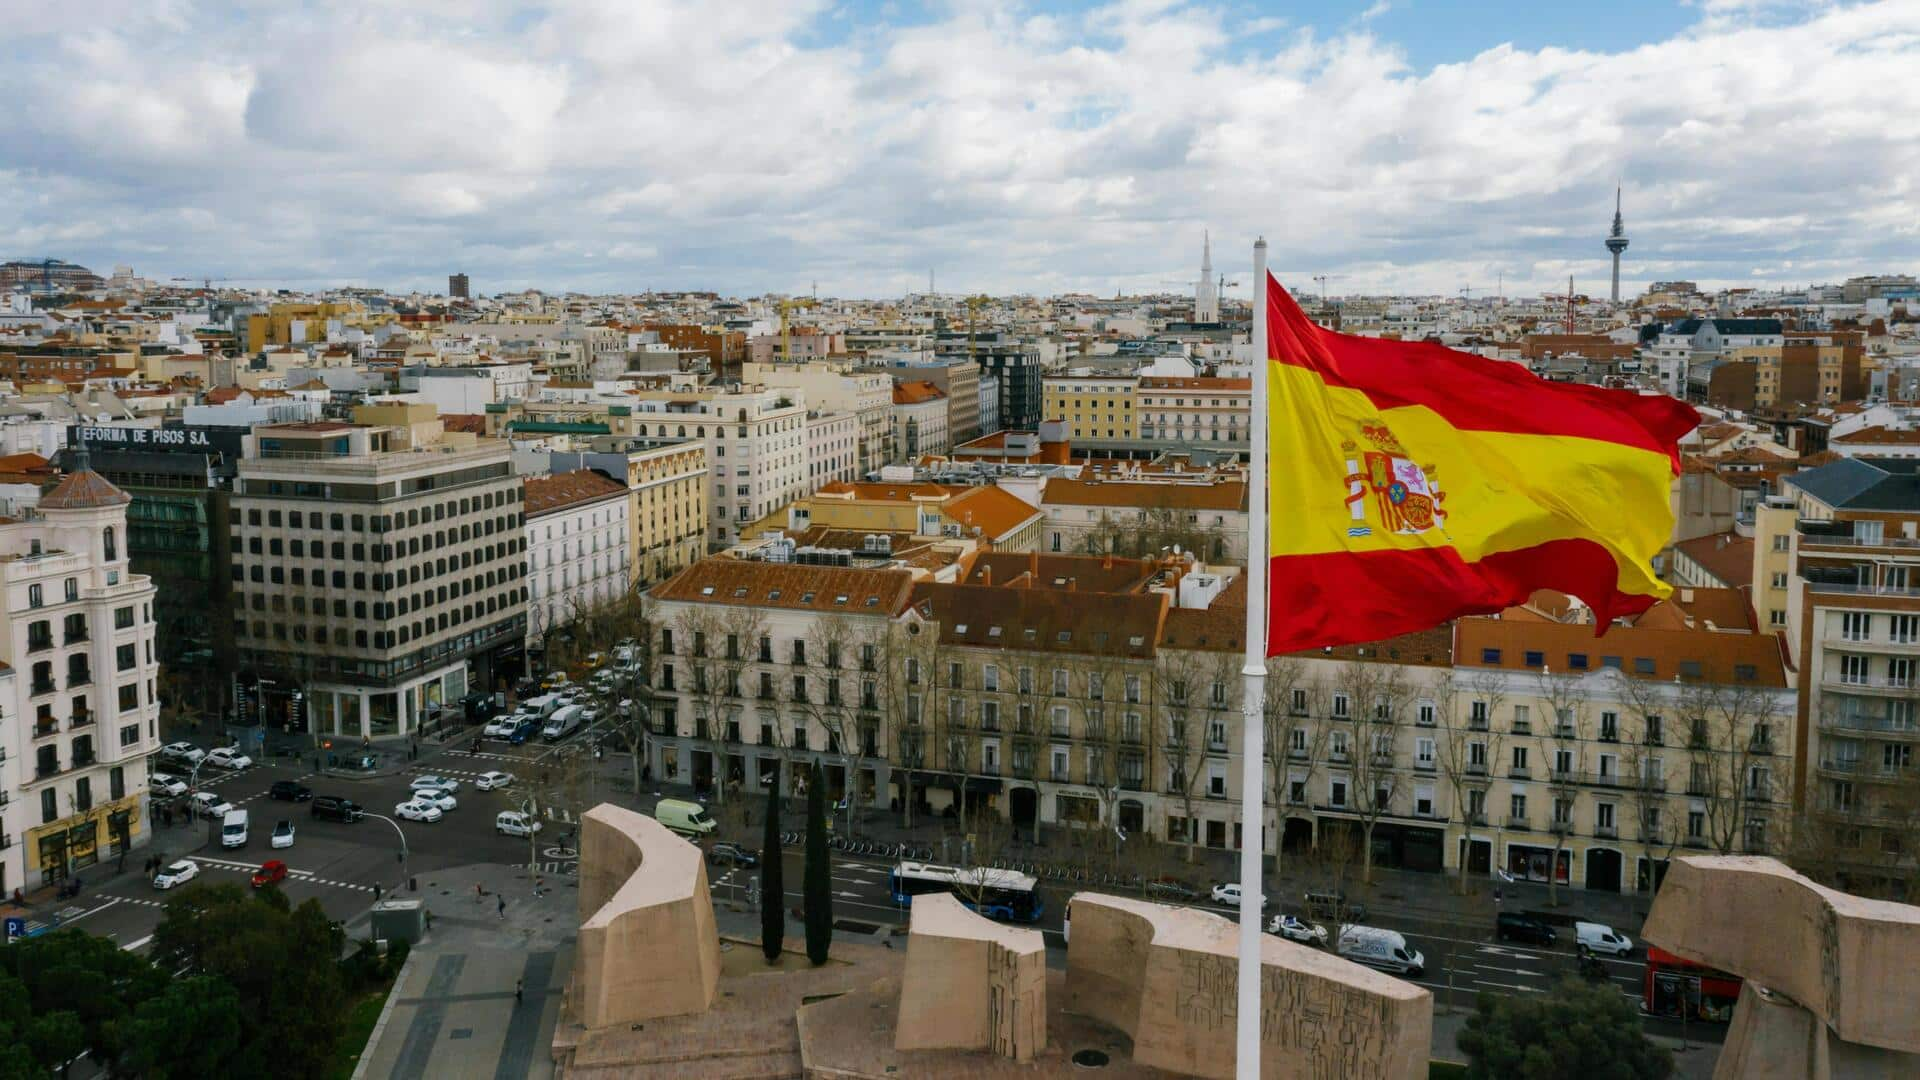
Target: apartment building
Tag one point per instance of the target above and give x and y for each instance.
(379, 566)
(988, 514)
(757, 446)
(1200, 513)
(833, 442)
(919, 420)
(1013, 370)
(79, 697)
(666, 481)
(577, 544)
(761, 669)
(832, 386)
(1095, 407)
(1854, 613)
(1772, 575)
(1196, 410)
(959, 379)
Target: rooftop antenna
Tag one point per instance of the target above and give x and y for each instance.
(1569, 303)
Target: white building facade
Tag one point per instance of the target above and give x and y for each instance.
(578, 546)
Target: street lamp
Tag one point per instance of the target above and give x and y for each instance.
(406, 871)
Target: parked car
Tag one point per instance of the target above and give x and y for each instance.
(1171, 891)
(209, 804)
(1601, 938)
(523, 687)
(498, 727)
(177, 873)
(270, 872)
(289, 791)
(728, 852)
(1228, 893)
(514, 823)
(283, 834)
(526, 729)
(492, 781)
(417, 809)
(1294, 928)
(436, 797)
(183, 751)
(553, 679)
(335, 808)
(1383, 949)
(229, 757)
(596, 660)
(434, 783)
(1332, 905)
(1513, 926)
(165, 785)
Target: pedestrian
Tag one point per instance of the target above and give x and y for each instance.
(376, 892)
(519, 987)
(503, 908)
(478, 892)
(429, 920)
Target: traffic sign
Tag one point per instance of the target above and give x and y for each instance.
(16, 928)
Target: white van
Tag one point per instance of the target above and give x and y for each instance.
(684, 817)
(514, 823)
(1383, 949)
(541, 707)
(233, 829)
(1600, 938)
(563, 723)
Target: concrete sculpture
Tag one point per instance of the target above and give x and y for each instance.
(1830, 978)
(647, 945)
(971, 984)
(1168, 978)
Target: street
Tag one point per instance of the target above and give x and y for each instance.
(342, 865)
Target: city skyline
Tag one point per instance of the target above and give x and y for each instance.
(1038, 149)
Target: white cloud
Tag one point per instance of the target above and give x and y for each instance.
(764, 144)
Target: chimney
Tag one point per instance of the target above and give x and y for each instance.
(986, 573)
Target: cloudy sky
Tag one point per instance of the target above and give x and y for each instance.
(765, 145)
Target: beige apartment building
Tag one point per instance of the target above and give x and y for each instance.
(1854, 612)
(1094, 407)
(379, 566)
(837, 386)
(666, 480)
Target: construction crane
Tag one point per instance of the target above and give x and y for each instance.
(1321, 280)
(206, 282)
(787, 308)
(974, 304)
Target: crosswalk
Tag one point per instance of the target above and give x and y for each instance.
(487, 754)
(305, 877)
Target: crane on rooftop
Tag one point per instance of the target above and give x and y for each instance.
(787, 308)
(974, 304)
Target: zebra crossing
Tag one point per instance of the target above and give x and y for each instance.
(488, 754)
(305, 877)
(143, 901)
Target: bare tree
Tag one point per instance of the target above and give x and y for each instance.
(1377, 694)
(1731, 737)
(1644, 771)
(916, 656)
(1566, 698)
(1293, 738)
(1177, 682)
(1467, 748)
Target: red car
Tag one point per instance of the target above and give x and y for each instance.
(271, 871)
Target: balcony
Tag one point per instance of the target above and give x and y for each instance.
(1862, 684)
(44, 769)
(1339, 757)
(1519, 772)
(1060, 731)
(1523, 727)
(1565, 731)
(79, 678)
(1476, 768)
(1479, 820)
(1760, 746)
(1425, 766)
(1698, 842)
(1838, 765)
(1519, 824)
(39, 644)
(1477, 723)
(1757, 795)
(43, 686)
(1380, 760)
(80, 719)
(43, 728)
(76, 637)
(1297, 753)
(1606, 832)
(1875, 725)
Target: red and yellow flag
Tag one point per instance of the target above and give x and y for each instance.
(1409, 483)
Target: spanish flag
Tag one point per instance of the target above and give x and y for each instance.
(1409, 483)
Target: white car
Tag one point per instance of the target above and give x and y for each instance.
(184, 751)
(209, 804)
(283, 835)
(162, 784)
(435, 797)
(229, 757)
(499, 727)
(436, 783)
(493, 781)
(176, 874)
(1229, 894)
(1296, 929)
(589, 714)
(417, 810)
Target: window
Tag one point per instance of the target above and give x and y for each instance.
(1535, 658)
(1855, 625)
(1779, 579)
(108, 544)
(1853, 669)
(1298, 706)
(1340, 707)
(1517, 806)
(1490, 656)
(1783, 543)
(117, 783)
(1423, 753)
(73, 588)
(49, 805)
(122, 618)
(1609, 727)
(34, 597)
(124, 657)
(1423, 713)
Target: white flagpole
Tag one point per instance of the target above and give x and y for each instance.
(1253, 765)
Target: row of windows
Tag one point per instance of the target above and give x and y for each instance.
(1642, 665)
(412, 545)
(385, 581)
(399, 519)
(320, 634)
(382, 609)
(83, 786)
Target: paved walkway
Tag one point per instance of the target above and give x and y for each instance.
(453, 1012)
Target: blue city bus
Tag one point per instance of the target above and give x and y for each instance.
(998, 894)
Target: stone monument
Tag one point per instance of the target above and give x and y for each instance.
(971, 984)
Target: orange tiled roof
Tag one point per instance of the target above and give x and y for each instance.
(916, 392)
(1726, 556)
(745, 583)
(994, 510)
(1219, 495)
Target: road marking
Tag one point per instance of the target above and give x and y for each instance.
(1509, 986)
(132, 945)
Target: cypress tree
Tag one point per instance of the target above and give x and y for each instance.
(818, 890)
(773, 892)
